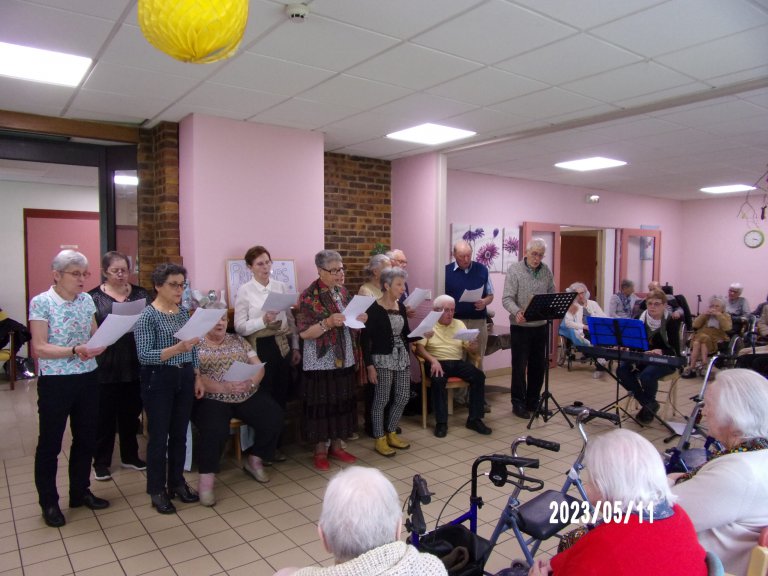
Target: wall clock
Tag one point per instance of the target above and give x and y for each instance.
(754, 238)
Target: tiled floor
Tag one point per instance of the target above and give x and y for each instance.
(255, 529)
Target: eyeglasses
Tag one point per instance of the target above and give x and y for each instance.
(78, 275)
(175, 285)
(334, 271)
(536, 254)
(117, 271)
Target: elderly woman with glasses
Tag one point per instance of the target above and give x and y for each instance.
(119, 394)
(727, 497)
(711, 328)
(169, 368)
(271, 333)
(650, 534)
(329, 382)
(62, 321)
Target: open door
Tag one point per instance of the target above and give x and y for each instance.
(640, 257)
(550, 233)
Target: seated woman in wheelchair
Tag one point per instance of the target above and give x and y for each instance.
(727, 497)
(624, 470)
(711, 329)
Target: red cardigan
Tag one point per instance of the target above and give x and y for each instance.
(668, 547)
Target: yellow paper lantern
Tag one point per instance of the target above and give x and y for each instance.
(197, 31)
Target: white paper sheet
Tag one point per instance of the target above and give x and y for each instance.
(110, 331)
(240, 371)
(416, 297)
(129, 308)
(357, 306)
(277, 302)
(467, 334)
(427, 324)
(200, 323)
(472, 295)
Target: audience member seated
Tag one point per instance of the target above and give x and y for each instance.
(591, 308)
(574, 324)
(642, 380)
(445, 355)
(711, 329)
(737, 306)
(220, 400)
(655, 536)
(372, 285)
(360, 524)
(760, 307)
(623, 302)
(22, 336)
(762, 323)
(727, 497)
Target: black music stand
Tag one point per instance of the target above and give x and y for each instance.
(548, 307)
(622, 333)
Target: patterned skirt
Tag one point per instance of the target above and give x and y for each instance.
(329, 407)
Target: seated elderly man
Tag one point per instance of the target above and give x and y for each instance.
(445, 355)
(622, 304)
(367, 542)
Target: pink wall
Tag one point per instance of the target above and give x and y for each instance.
(242, 184)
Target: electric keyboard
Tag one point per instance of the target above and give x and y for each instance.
(630, 356)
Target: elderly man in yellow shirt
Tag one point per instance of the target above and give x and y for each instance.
(445, 357)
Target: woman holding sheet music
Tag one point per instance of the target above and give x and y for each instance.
(220, 399)
(642, 380)
(119, 392)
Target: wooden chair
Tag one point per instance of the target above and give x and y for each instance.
(758, 560)
(666, 396)
(453, 383)
(234, 429)
(6, 355)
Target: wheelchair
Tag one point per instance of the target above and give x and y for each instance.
(531, 522)
(567, 354)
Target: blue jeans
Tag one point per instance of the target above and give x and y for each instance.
(168, 393)
(643, 384)
(465, 371)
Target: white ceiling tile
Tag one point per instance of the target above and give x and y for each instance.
(123, 104)
(570, 59)
(16, 94)
(269, 75)
(756, 97)
(413, 67)
(731, 109)
(679, 24)
(108, 9)
(388, 17)
(588, 13)
(650, 98)
(52, 29)
(237, 102)
(381, 148)
(99, 116)
(487, 121)
(486, 86)
(628, 81)
(114, 78)
(355, 92)
(306, 114)
(322, 43)
(723, 56)
(628, 128)
(493, 32)
(420, 108)
(546, 103)
(741, 126)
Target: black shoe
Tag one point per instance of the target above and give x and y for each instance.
(646, 413)
(162, 503)
(53, 517)
(89, 501)
(521, 411)
(441, 430)
(101, 473)
(185, 494)
(134, 464)
(478, 426)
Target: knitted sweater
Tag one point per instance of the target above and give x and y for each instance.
(458, 280)
(523, 283)
(395, 559)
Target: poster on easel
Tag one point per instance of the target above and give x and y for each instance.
(238, 273)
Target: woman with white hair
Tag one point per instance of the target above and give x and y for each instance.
(737, 305)
(360, 524)
(711, 328)
(372, 285)
(61, 321)
(649, 535)
(727, 497)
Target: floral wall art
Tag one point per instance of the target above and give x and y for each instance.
(494, 246)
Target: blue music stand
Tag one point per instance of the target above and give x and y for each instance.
(622, 333)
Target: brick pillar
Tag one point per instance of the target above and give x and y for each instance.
(358, 210)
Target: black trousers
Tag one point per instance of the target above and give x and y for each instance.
(119, 410)
(23, 335)
(465, 371)
(212, 418)
(74, 397)
(277, 381)
(168, 393)
(529, 351)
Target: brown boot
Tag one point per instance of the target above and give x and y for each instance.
(396, 442)
(382, 447)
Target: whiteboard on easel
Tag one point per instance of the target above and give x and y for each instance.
(238, 274)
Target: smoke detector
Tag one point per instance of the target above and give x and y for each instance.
(297, 12)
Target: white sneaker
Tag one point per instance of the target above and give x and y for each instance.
(597, 374)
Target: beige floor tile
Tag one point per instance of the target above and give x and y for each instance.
(273, 544)
(42, 552)
(303, 534)
(236, 556)
(117, 518)
(92, 557)
(208, 526)
(203, 566)
(133, 546)
(181, 552)
(84, 542)
(221, 540)
(10, 560)
(125, 531)
(316, 550)
(172, 536)
(292, 557)
(143, 563)
(273, 508)
(54, 567)
(157, 522)
(110, 569)
(256, 530)
(258, 568)
(196, 513)
(241, 517)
